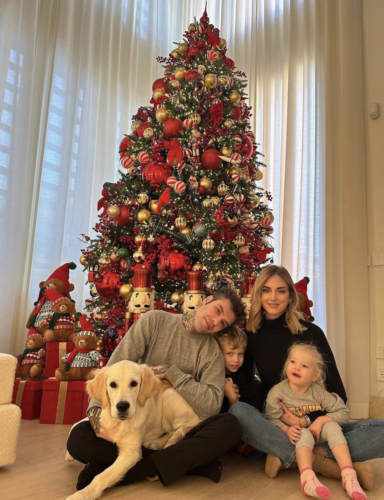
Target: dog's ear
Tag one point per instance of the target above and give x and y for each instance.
(148, 384)
(97, 388)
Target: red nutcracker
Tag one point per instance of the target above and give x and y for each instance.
(142, 299)
(194, 294)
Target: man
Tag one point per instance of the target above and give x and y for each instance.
(182, 349)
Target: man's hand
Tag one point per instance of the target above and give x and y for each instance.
(93, 415)
(294, 433)
(317, 426)
(160, 370)
(231, 391)
(288, 418)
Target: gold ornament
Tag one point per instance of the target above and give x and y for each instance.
(139, 238)
(244, 249)
(114, 257)
(270, 216)
(232, 222)
(142, 198)
(222, 189)
(210, 81)
(253, 201)
(196, 118)
(153, 205)
(197, 267)
(239, 240)
(192, 27)
(234, 170)
(135, 126)
(201, 69)
(176, 54)
(143, 216)
(175, 83)
(222, 43)
(208, 244)
(126, 290)
(83, 261)
(181, 222)
(215, 201)
(222, 79)
(177, 297)
(207, 203)
(113, 211)
(195, 133)
(206, 182)
(148, 133)
(258, 175)
(104, 260)
(182, 48)
(158, 93)
(138, 256)
(162, 115)
(234, 97)
(228, 123)
(179, 73)
(185, 230)
(226, 151)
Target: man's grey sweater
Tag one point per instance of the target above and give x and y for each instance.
(196, 363)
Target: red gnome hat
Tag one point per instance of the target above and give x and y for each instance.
(54, 296)
(301, 287)
(62, 274)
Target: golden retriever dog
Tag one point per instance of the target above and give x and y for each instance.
(137, 409)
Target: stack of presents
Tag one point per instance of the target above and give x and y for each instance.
(61, 353)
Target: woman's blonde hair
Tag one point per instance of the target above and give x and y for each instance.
(320, 366)
(256, 311)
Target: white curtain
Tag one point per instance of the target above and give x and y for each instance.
(73, 72)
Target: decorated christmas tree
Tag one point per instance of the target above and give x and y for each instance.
(187, 216)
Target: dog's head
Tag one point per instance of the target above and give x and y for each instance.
(123, 387)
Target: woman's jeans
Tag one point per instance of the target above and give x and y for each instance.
(365, 438)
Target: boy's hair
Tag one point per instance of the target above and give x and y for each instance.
(317, 357)
(238, 306)
(234, 335)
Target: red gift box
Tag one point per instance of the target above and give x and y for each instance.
(55, 351)
(27, 395)
(63, 402)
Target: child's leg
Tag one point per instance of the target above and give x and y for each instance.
(336, 440)
(310, 485)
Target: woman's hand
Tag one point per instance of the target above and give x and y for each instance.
(294, 433)
(231, 391)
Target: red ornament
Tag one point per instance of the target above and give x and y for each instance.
(141, 128)
(202, 189)
(212, 55)
(126, 161)
(236, 113)
(125, 217)
(171, 181)
(156, 172)
(143, 157)
(210, 159)
(110, 285)
(160, 84)
(173, 127)
(124, 144)
(162, 277)
(179, 187)
(266, 221)
(175, 264)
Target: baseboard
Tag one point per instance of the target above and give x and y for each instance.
(376, 407)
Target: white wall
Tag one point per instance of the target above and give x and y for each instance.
(373, 53)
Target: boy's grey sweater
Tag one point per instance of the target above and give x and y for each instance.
(196, 364)
(316, 399)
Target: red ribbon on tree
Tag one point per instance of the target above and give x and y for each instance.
(216, 111)
(175, 151)
(213, 40)
(164, 198)
(102, 203)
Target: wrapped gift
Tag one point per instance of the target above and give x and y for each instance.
(27, 395)
(63, 402)
(103, 362)
(55, 351)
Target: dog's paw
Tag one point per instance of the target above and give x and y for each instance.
(81, 495)
(156, 444)
(68, 457)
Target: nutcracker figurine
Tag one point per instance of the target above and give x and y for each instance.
(246, 298)
(142, 299)
(194, 294)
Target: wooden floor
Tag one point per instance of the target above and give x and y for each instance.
(40, 473)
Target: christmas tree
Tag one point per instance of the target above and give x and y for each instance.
(187, 208)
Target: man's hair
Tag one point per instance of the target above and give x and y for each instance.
(234, 335)
(238, 306)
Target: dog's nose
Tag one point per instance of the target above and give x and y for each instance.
(122, 406)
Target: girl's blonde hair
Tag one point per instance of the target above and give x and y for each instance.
(320, 366)
(256, 311)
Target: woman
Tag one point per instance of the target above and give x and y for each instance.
(274, 324)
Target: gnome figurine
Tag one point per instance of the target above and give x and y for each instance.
(142, 299)
(194, 294)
